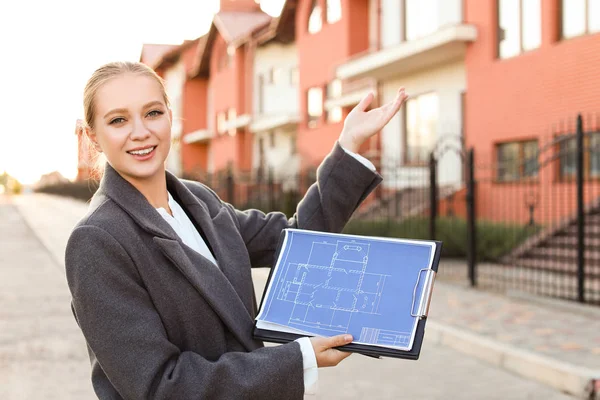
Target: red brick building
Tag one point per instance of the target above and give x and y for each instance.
(534, 67)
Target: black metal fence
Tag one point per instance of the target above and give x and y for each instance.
(525, 217)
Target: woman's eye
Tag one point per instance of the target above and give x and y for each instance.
(118, 120)
(155, 113)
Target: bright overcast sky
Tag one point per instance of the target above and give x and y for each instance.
(49, 49)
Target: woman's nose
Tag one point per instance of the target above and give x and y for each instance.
(140, 131)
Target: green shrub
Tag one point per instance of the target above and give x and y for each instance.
(493, 239)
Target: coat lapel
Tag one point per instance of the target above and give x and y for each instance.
(214, 287)
(222, 242)
(207, 279)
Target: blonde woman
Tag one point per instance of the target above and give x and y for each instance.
(159, 268)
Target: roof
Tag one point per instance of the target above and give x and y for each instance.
(234, 27)
(173, 55)
(152, 53)
(285, 30)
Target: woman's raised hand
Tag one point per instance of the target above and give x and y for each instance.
(360, 125)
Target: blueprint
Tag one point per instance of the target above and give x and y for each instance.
(328, 284)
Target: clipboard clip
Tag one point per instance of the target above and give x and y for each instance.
(425, 296)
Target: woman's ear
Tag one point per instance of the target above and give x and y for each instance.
(91, 135)
(171, 116)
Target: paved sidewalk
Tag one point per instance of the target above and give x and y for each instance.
(508, 338)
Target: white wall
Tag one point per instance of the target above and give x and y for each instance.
(174, 81)
(281, 97)
(445, 12)
(448, 81)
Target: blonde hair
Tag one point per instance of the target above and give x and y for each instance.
(100, 77)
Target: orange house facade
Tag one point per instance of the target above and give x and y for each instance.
(533, 69)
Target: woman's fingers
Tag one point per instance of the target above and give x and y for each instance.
(325, 352)
(365, 102)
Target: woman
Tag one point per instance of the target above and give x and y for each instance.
(159, 268)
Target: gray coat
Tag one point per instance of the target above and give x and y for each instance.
(160, 320)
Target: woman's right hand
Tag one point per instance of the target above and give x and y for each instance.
(325, 353)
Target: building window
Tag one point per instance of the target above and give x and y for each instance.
(294, 76)
(591, 156)
(334, 91)
(334, 11)
(221, 122)
(517, 160)
(231, 117)
(261, 94)
(275, 75)
(293, 145)
(315, 20)
(421, 127)
(420, 18)
(519, 26)
(580, 17)
(314, 105)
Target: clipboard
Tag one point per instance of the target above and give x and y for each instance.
(321, 281)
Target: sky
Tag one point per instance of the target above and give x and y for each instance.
(49, 50)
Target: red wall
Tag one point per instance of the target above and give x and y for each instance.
(227, 93)
(319, 54)
(525, 97)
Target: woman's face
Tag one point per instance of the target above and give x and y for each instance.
(133, 126)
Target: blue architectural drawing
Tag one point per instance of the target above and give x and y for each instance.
(330, 284)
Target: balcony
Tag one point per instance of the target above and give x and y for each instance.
(231, 125)
(199, 136)
(352, 92)
(446, 44)
(268, 122)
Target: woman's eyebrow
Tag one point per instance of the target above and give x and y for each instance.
(153, 103)
(115, 111)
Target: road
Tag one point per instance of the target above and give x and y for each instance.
(43, 355)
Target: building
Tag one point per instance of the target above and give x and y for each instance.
(419, 45)
(534, 67)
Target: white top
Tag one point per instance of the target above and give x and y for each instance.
(187, 232)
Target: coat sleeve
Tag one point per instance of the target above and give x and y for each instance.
(124, 331)
(342, 184)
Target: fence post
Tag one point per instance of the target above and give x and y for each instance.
(433, 196)
(471, 226)
(271, 183)
(230, 186)
(580, 214)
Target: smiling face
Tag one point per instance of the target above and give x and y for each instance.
(132, 126)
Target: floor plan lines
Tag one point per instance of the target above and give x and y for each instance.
(331, 285)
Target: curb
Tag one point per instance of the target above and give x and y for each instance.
(577, 381)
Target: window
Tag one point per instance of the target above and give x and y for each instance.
(275, 75)
(420, 18)
(314, 101)
(294, 76)
(421, 127)
(334, 90)
(580, 17)
(261, 94)
(334, 11)
(221, 122)
(591, 156)
(517, 160)
(519, 26)
(231, 117)
(315, 20)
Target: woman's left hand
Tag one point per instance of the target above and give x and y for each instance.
(360, 125)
